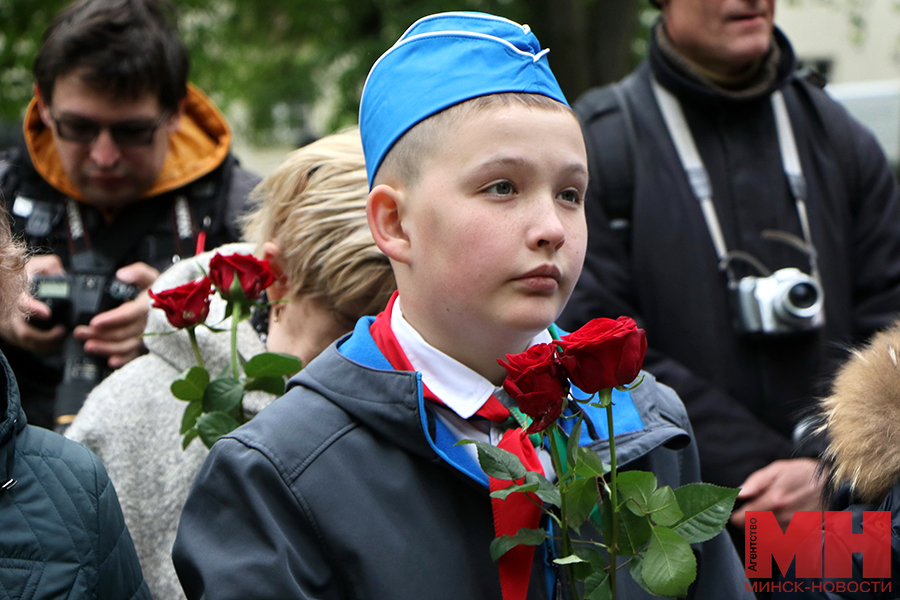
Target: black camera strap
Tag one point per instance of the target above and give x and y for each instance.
(698, 178)
(105, 254)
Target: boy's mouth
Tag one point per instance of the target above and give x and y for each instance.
(543, 278)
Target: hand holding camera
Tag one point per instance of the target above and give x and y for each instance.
(34, 330)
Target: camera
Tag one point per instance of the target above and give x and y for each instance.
(787, 301)
(74, 299)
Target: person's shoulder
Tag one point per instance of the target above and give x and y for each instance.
(63, 457)
(660, 402)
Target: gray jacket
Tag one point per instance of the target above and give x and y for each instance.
(131, 421)
(348, 487)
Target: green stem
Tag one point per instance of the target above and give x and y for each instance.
(235, 317)
(613, 497)
(193, 336)
(567, 549)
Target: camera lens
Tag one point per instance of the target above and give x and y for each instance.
(803, 295)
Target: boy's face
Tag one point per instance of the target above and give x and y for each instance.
(496, 227)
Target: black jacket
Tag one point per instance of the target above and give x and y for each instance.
(744, 396)
(63, 534)
(348, 487)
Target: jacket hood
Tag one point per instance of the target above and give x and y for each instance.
(197, 148)
(174, 346)
(390, 403)
(689, 87)
(862, 418)
(12, 420)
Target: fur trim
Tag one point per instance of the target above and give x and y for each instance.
(862, 418)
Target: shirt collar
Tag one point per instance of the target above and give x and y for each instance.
(460, 388)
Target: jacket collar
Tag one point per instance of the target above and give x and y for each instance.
(197, 148)
(390, 403)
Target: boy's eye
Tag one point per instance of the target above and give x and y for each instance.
(501, 188)
(570, 196)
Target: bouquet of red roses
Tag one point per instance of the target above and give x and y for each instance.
(622, 514)
(215, 407)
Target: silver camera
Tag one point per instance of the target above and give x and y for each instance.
(787, 301)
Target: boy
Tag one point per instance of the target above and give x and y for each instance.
(350, 486)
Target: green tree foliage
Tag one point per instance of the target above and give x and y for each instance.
(279, 58)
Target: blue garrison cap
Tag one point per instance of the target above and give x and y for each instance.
(442, 60)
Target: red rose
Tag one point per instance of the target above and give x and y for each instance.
(253, 276)
(185, 305)
(537, 382)
(604, 353)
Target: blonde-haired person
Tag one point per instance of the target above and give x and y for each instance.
(309, 219)
(63, 530)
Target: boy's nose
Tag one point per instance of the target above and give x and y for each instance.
(104, 151)
(548, 231)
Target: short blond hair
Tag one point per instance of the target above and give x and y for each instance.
(313, 207)
(404, 159)
(12, 269)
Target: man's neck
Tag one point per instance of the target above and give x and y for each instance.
(738, 81)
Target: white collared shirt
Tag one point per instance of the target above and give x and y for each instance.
(462, 390)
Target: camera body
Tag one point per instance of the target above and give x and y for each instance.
(74, 299)
(786, 302)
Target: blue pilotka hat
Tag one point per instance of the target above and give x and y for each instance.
(442, 60)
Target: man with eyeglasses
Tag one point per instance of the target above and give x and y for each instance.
(126, 169)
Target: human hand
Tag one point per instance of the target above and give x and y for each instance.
(116, 333)
(783, 487)
(17, 330)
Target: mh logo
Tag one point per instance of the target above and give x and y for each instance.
(822, 543)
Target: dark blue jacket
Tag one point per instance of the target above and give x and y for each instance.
(62, 534)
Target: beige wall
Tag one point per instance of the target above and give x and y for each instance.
(822, 29)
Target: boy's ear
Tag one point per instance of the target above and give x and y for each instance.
(384, 211)
(278, 289)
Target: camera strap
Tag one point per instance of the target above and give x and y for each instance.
(698, 177)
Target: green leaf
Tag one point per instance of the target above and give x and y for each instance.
(635, 488)
(569, 560)
(190, 385)
(272, 385)
(527, 537)
(189, 437)
(635, 569)
(272, 364)
(222, 395)
(587, 463)
(634, 532)
(498, 463)
(669, 564)
(213, 425)
(193, 410)
(663, 507)
(525, 487)
(593, 561)
(597, 586)
(706, 509)
(546, 491)
(572, 443)
(580, 497)
(534, 482)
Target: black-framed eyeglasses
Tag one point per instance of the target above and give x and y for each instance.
(126, 133)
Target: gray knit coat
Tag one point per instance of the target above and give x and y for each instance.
(131, 421)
